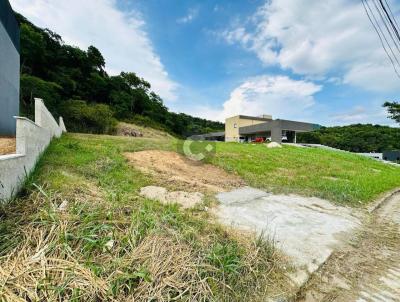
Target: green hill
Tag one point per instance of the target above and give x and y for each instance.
(355, 138)
(73, 83)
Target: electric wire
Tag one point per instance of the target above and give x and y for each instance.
(380, 34)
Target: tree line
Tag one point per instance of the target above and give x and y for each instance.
(361, 138)
(73, 83)
(355, 138)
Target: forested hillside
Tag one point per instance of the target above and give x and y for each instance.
(74, 84)
(355, 138)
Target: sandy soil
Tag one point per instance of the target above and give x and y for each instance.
(367, 268)
(185, 199)
(7, 145)
(177, 171)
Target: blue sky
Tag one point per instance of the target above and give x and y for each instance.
(312, 60)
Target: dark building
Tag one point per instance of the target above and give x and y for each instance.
(391, 155)
(9, 69)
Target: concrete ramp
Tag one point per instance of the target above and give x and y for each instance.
(305, 229)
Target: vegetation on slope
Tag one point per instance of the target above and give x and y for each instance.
(81, 232)
(341, 177)
(74, 83)
(393, 109)
(355, 138)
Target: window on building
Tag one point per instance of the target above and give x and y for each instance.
(234, 125)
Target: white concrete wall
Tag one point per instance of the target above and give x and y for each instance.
(32, 139)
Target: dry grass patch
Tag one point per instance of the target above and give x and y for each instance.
(171, 268)
(7, 145)
(175, 169)
(104, 252)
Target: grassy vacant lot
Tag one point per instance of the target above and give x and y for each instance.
(81, 232)
(341, 177)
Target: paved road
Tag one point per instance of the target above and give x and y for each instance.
(368, 268)
(387, 287)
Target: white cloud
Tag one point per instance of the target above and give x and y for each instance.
(360, 114)
(280, 96)
(331, 38)
(373, 77)
(120, 36)
(191, 15)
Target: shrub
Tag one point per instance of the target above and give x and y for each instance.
(33, 87)
(90, 118)
(146, 121)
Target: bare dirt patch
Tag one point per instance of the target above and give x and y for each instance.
(185, 199)
(7, 145)
(132, 130)
(178, 171)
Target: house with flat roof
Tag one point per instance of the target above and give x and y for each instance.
(9, 69)
(234, 124)
(241, 128)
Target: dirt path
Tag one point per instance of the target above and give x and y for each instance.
(180, 173)
(367, 267)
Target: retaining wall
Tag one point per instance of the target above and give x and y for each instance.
(32, 139)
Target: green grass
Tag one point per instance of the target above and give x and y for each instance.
(341, 177)
(111, 243)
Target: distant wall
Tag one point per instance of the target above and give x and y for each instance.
(32, 138)
(9, 69)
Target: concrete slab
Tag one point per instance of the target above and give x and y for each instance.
(305, 229)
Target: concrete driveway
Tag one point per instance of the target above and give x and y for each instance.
(305, 229)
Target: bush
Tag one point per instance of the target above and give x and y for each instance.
(90, 118)
(146, 121)
(33, 87)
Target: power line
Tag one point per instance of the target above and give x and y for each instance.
(390, 19)
(381, 35)
(391, 13)
(388, 28)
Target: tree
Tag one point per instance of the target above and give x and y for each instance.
(92, 118)
(96, 58)
(123, 103)
(32, 50)
(133, 81)
(33, 87)
(393, 109)
(58, 73)
(355, 138)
